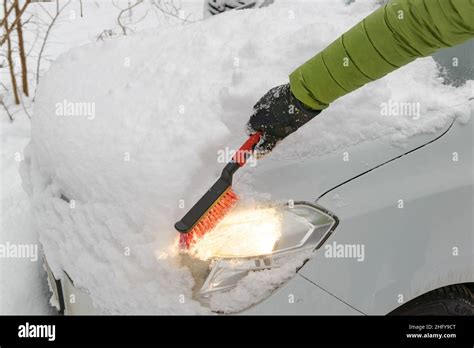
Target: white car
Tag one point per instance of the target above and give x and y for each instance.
(394, 236)
(391, 229)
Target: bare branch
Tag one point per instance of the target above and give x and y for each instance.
(45, 10)
(48, 31)
(6, 109)
(170, 9)
(3, 85)
(24, 107)
(129, 8)
(9, 29)
(9, 56)
(7, 13)
(21, 47)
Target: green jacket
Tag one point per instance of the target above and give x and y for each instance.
(387, 39)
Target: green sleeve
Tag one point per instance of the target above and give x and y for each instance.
(387, 39)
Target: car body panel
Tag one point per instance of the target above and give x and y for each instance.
(409, 251)
(300, 297)
(286, 180)
(77, 302)
(67, 299)
(297, 297)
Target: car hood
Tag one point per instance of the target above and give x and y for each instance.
(308, 179)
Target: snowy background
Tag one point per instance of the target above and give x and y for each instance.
(23, 287)
(163, 99)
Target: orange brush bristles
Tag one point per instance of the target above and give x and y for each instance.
(209, 220)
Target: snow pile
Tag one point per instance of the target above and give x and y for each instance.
(128, 130)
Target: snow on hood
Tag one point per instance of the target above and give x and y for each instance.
(156, 108)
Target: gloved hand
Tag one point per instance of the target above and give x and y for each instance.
(276, 115)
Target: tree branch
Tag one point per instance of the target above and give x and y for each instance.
(21, 47)
(48, 31)
(9, 56)
(129, 8)
(6, 109)
(4, 21)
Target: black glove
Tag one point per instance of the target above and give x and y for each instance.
(276, 115)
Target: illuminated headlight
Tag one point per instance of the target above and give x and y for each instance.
(269, 244)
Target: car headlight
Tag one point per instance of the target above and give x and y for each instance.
(275, 241)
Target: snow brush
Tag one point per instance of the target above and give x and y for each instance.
(216, 202)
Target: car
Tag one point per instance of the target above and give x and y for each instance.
(405, 218)
(389, 229)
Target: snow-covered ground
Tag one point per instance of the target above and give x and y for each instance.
(121, 127)
(22, 284)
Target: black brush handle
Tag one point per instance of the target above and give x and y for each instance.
(204, 204)
(219, 188)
